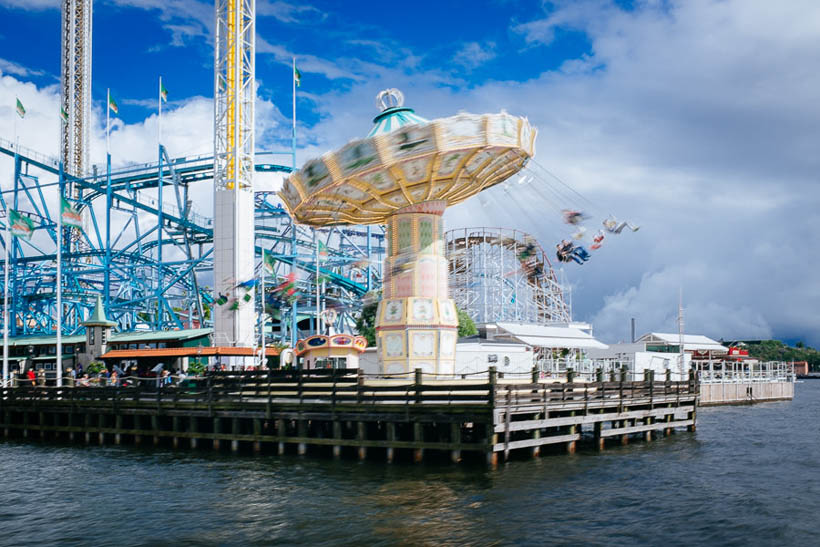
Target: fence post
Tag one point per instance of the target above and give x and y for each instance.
(570, 375)
(359, 384)
(417, 381)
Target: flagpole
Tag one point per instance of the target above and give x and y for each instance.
(264, 361)
(6, 302)
(107, 121)
(59, 280)
(159, 130)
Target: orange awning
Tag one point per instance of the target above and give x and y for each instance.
(226, 351)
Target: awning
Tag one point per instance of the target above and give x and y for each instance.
(568, 343)
(543, 336)
(187, 352)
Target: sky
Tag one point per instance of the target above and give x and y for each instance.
(697, 120)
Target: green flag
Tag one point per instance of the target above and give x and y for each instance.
(64, 114)
(19, 225)
(267, 261)
(69, 215)
(112, 105)
(163, 92)
(297, 76)
(20, 110)
(322, 252)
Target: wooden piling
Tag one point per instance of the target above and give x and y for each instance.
(217, 433)
(337, 435)
(455, 438)
(391, 437)
(235, 431)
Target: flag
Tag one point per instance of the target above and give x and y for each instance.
(288, 289)
(221, 300)
(163, 92)
(20, 110)
(322, 252)
(234, 305)
(69, 215)
(297, 76)
(112, 105)
(64, 114)
(19, 225)
(267, 261)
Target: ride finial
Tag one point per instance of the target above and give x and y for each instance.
(389, 98)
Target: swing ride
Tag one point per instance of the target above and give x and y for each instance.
(405, 174)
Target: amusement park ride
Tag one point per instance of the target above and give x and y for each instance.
(374, 207)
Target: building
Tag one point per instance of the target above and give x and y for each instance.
(659, 352)
(100, 344)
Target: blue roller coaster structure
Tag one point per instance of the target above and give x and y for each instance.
(151, 259)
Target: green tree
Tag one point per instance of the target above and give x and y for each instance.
(366, 323)
(466, 326)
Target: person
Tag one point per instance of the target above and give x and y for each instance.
(579, 254)
(114, 379)
(84, 381)
(613, 226)
(166, 378)
(181, 376)
(79, 370)
(572, 217)
(579, 233)
(32, 377)
(597, 240)
(568, 252)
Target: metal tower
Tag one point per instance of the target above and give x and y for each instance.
(234, 92)
(75, 81)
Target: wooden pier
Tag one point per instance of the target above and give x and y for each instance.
(344, 413)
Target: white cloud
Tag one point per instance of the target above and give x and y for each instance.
(287, 12)
(473, 54)
(15, 69)
(30, 5)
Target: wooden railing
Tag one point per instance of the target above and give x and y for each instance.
(349, 387)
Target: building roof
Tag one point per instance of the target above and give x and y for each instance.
(154, 335)
(120, 337)
(186, 352)
(550, 337)
(98, 318)
(691, 342)
(43, 340)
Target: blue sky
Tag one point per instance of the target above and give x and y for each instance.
(695, 118)
(335, 47)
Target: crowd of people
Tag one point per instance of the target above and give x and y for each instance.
(115, 377)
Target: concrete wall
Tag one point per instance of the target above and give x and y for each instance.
(745, 393)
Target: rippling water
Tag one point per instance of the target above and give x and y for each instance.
(748, 476)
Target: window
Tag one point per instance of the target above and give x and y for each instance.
(506, 360)
(91, 336)
(103, 335)
(492, 358)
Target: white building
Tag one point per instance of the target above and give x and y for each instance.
(659, 352)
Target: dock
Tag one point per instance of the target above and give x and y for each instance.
(344, 413)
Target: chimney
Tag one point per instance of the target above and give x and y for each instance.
(633, 330)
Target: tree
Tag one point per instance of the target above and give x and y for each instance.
(366, 323)
(466, 326)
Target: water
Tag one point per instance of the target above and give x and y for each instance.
(748, 476)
